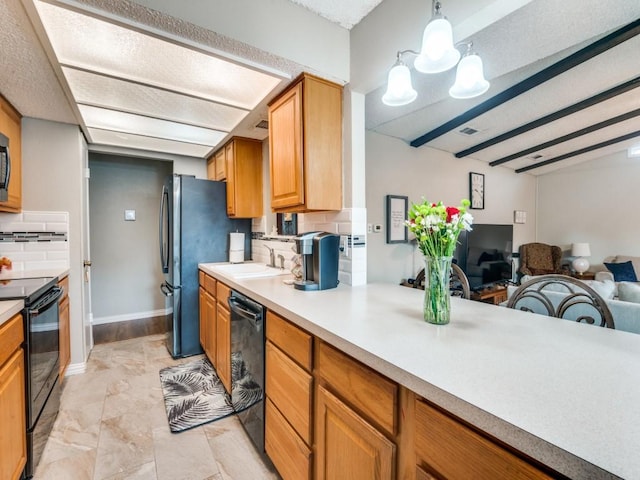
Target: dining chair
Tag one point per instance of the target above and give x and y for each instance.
(563, 297)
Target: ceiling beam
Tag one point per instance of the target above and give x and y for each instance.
(576, 107)
(588, 149)
(567, 137)
(599, 46)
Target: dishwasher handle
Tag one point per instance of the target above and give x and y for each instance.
(241, 310)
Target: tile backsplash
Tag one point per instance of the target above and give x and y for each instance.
(35, 240)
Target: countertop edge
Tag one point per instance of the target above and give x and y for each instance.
(9, 308)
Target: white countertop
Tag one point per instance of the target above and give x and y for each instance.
(9, 308)
(564, 393)
(52, 272)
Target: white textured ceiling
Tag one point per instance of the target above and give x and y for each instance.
(515, 38)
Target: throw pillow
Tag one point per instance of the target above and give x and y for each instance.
(622, 272)
(629, 292)
(605, 289)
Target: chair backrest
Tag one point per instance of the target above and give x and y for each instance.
(562, 297)
(458, 283)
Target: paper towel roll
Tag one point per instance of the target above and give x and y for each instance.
(236, 256)
(236, 241)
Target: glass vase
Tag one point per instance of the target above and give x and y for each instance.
(437, 298)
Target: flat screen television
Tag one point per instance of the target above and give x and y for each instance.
(484, 254)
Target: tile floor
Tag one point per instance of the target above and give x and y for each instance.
(112, 425)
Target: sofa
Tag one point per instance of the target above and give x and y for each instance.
(626, 314)
(625, 272)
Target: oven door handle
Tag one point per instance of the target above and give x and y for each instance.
(47, 302)
(244, 313)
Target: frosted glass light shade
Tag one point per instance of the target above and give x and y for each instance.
(438, 53)
(399, 89)
(470, 81)
(580, 265)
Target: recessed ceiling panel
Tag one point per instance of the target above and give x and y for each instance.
(98, 90)
(90, 43)
(152, 127)
(138, 142)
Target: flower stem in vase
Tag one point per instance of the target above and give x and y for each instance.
(437, 299)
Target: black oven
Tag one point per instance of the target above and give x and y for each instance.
(42, 351)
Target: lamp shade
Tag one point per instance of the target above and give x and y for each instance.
(470, 81)
(580, 250)
(438, 53)
(399, 88)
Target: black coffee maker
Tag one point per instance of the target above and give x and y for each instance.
(319, 254)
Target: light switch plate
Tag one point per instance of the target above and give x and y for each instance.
(130, 215)
(519, 216)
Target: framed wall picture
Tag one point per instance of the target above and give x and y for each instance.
(397, 207)
(476, 190)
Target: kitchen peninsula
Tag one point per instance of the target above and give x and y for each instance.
(557, 393)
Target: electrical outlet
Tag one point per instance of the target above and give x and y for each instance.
(377, 228)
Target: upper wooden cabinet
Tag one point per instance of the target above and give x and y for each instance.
(305, 146)
(10, 125)
(239, 162)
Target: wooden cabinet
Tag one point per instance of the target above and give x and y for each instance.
(347, 445)
(289, 407)
(65, 341)
(356, 419)
(305, 146)
(494, 295)
(239, 162)
(208, 315)
(441, 441)
(223, 335)
(11, 126)
(13, 433)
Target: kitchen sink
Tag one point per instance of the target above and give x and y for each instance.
(246, 270)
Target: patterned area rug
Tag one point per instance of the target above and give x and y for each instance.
(194, 395)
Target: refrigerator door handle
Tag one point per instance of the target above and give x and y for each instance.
(163, 233)
(166, 290)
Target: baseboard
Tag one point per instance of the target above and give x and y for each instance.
(130, 316)
(75, 369)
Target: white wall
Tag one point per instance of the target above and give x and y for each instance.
(125, 266)
(52, 172)
(594, 202)
(395, 168)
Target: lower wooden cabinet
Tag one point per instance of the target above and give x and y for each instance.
(347, 446)
(208, 317)
(288, 452)
(223, 345)
(65, 329)
(13, 422)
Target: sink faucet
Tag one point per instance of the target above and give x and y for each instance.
(272, 258)
(281, 258)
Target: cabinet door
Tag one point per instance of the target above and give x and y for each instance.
(220, 166)
(211, 168)
(285, 150)
(13, 433)
(10, 125)
(290, 455)
(223, 346)
(202, 305)
(65, 344)
(208, 324)
(244, 179)
(229, 154)
(347, 446)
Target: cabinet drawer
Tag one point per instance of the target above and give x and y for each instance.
(11, 337)
(370, 393)
(290, 339)
(286, 450)
(222, 293)
(289, 388)
(201, 276)
(210, 285)
(441, 441)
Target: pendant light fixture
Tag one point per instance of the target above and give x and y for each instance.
(399, 89)
(438, 54)
(470, 81)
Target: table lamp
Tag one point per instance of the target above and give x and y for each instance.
(580, 251)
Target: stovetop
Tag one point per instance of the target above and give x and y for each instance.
(27, 289)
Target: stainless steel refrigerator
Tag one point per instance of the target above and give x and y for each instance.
(194, 228)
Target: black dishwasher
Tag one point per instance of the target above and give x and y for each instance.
(247, 364)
